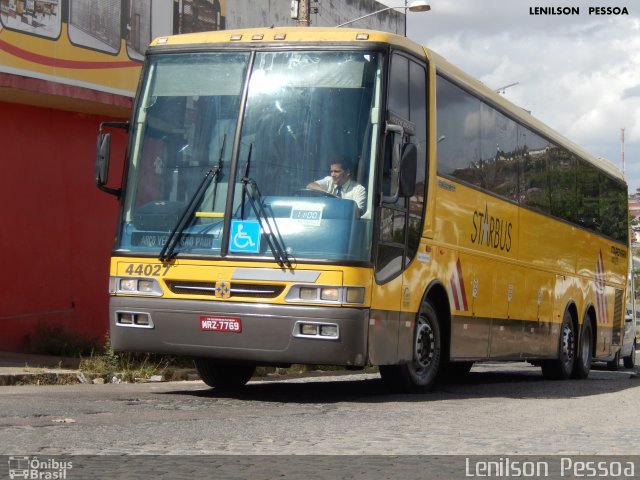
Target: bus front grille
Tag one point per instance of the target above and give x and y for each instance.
(237, 290)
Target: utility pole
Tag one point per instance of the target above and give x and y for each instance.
(303, 12)
(622, 148)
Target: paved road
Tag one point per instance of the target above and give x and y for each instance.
(506, 409)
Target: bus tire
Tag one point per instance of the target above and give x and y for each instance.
(223, 375)
(562, 367)
(420, 374)
(630, 361)
(584, 353)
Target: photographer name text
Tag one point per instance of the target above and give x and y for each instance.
(568, 11)
(567, 467)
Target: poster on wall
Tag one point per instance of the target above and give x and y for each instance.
(97, 45)
(37, 17)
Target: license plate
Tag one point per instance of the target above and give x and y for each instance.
(220, 324)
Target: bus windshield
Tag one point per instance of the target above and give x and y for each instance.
(295, 161)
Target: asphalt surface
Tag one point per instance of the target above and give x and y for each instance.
(314, 426)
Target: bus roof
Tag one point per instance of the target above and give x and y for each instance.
(292, 35)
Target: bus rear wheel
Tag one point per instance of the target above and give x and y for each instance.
(420, 374)
(223, 375)
(582, 365)
(562, 367)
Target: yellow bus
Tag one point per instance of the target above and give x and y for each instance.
(466, 230)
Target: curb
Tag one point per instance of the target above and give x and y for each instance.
(45, 377)
(75, 377)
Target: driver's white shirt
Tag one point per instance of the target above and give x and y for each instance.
(350, 191)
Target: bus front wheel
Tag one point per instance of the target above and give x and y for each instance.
(420, 374)
(223, 375)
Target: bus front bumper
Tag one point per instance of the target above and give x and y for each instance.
(269, 334)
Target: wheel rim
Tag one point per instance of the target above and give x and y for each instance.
(567, 352)
(424, 348)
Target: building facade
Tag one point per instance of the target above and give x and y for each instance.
(65, 66)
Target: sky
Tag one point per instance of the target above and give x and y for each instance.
(578, 74)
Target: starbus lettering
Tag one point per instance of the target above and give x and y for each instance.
(491, 231)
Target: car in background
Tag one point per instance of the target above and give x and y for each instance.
(629, 342)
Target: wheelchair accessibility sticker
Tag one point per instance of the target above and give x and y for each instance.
(245, 236)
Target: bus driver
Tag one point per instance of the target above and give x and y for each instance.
(339, 183)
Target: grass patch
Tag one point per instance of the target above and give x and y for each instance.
(98, 360)
(115, 366)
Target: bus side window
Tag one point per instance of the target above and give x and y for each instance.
(401, 222)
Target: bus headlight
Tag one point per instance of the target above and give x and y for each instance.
(128, 285)
(355, 295)
(330, 294)
(326, 294)
(134, 286)
(146, 286)
(308, 293)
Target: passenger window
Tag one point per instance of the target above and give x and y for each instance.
(534, 190)
(562, 182)
(588, 192)
(458, 133)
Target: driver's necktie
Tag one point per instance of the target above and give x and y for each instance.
(339, 191)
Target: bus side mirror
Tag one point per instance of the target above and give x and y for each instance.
(404, 166)
(103, 155)
(103, 152)
(408, 170)
(392, 173)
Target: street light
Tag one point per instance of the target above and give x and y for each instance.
(502, 89)
(415, 6)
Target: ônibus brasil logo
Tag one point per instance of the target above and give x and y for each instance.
(34, 468)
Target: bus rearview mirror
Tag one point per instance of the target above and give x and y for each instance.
(103, 152)
(103, 155)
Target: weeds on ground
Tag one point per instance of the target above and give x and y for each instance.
(130, 367)
(98, 360)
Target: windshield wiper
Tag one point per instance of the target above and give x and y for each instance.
(219, 169)
(188, 213)
(251, 191)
